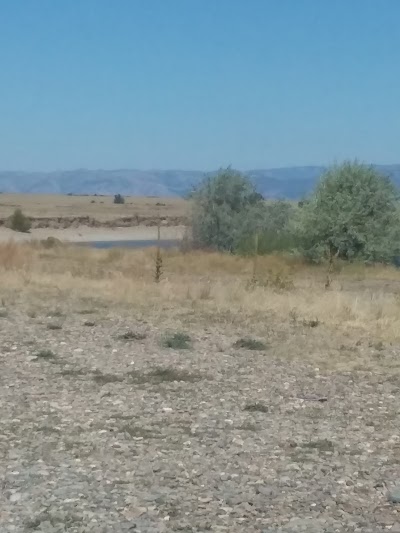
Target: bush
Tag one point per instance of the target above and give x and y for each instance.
(222, 205)
(119, 199)
(353, 214)
(19, 222)
(45, 354)
(51, 242)
(250, 344)
(177, 341)
(228, 213)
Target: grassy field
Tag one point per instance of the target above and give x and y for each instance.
(211, 286)
(223, 398)
(100, 208)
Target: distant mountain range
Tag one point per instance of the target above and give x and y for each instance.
(289, 182)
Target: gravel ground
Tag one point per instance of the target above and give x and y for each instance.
(104, 434)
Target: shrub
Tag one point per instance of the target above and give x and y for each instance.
(353, 214)
(132, 336)
(119, 199)
(177, 341)
(228, 212)
(172, 374)
(45, 354)
(104, 379)
(19, 222)
(54, 327)
(250, 344)
(51, 242)
(256, 407)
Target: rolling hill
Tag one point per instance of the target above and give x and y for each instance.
(289, 182)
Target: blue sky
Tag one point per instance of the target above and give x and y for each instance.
(198, 84)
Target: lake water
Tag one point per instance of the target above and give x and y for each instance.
(131, 244)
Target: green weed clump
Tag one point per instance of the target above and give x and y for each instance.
(46, 354)
(250, 344)
(177, 341)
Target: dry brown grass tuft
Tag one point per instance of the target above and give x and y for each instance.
(207, 285)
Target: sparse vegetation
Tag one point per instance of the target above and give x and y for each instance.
(177, 341)
(139, 432)
(256, 407)
(158, 262)
(158, 266)
(311, 323)
(193, 410)
(73, 372)
(172, 374)
(248, 343)
(45, 354)
(323, 445)
(161, 374)
(132, 336)
(51, 242)
(57, 313)
(217, 284)
(19, 222)
(104, 379)
(119, 199)
(54, 326)
(278, 280)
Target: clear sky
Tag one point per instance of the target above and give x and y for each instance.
(198, 84)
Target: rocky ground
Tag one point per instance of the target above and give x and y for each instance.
(104, 428)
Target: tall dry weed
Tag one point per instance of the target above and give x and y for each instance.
(15, 256)
(207, 284)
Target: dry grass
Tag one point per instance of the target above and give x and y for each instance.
(101, 208)
(205, 286)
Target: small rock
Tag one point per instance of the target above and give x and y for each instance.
(134, 512)
(16, 497)
(394, 495)
(206, 499)
(265, 490)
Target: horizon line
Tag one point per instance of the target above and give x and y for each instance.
(134, 169)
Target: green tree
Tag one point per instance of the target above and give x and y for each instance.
(353, 214)
(222, 206)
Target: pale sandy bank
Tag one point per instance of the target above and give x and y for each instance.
(87, 234)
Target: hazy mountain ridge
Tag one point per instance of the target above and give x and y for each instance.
(287, 182)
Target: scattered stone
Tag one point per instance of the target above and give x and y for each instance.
(394, 495)
(192, 440)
